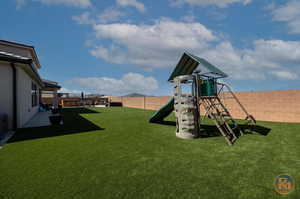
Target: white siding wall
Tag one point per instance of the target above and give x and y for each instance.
(6, 89)
(25, 109)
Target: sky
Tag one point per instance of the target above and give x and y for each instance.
(116, 47)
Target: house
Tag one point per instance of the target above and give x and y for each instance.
(20, 83)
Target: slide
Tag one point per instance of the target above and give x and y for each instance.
(163, 112)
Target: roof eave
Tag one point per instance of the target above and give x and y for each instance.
(15, 60)
(20, 45)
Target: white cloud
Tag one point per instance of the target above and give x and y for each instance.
(161, 45)
(20, 3)
(134, 3)
(157, 45)
(218, 3)
(130, 82)
(73, 3)
(190, 18)
(266, 57)
(277, 51)
(288, 13)
(285, 75)
(110, 15)
(71, 91)
(84, 18)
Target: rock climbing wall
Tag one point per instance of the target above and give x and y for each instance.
(186, 111)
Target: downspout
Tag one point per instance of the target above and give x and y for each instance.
(14, 76)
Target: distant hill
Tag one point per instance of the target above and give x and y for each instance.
(135, 95)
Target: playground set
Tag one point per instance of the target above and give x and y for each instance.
(204, 90)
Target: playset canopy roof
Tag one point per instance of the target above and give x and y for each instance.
(188, 63)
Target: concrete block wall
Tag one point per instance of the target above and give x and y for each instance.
(149, 103)
(154, 103)
(277, 106)
(134, 102)
(114, 99)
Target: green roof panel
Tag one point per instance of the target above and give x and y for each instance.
(188, 63)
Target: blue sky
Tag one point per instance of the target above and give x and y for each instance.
(122, 46)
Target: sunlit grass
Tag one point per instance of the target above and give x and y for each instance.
(121, 155)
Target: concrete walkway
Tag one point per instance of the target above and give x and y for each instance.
(5, 137)
(39, 119)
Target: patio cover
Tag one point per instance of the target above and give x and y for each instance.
(50, 85)
(188, 63)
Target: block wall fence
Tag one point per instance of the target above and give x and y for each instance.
(276, 106)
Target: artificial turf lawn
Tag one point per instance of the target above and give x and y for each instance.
(115, 153)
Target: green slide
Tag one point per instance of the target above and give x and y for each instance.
(163, 112)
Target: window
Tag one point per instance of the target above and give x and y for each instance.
(34, 95)
(187, 88)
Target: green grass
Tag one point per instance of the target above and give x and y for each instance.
(115, 153)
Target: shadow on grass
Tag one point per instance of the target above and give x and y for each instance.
(213, 131)
(73, 123)
(250, 129)
(170, 123)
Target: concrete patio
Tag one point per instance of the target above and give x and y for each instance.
(40, 119)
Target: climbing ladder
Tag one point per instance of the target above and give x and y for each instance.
(250, 120)
(216, 110)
